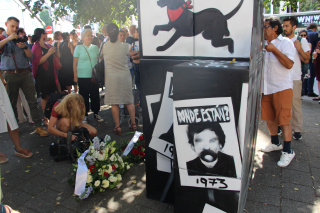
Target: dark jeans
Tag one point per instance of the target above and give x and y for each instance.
(311, 79)
(25, 82)
(89, 90)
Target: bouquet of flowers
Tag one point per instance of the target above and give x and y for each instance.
(105, 166)
(137, 153)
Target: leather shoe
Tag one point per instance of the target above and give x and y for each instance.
(312, 95)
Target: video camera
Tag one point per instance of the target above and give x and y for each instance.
(20, 39)
(65, 148)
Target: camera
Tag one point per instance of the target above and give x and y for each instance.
(20, 39)
(64, 148)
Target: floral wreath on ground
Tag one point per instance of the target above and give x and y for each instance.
(105, 166)
(137, 153)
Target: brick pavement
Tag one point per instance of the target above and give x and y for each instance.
(41, 185)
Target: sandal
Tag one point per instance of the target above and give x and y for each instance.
(24, 153)
(133, 127)
(316, 99)
(3, 158)
(5, 208)
(117, 131)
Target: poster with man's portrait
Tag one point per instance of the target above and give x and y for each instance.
(207, 146)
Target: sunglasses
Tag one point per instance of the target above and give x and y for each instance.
(303, 35)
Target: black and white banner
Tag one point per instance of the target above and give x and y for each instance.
(206, 143)
(200, 28)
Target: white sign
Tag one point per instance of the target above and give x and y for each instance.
(131, 143)
(81, 177)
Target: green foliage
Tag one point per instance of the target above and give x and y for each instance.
(105, 11)
(308, 5)
(45, 17)
(304, 5)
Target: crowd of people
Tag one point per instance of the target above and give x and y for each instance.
(36, 65)
(287, 61)
(48, 67)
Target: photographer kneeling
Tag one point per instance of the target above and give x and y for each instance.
(68, 115)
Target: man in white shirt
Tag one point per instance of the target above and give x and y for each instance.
(302, 53)
(277, 89)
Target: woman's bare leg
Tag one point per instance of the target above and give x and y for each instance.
(115, 115)
(132, 115)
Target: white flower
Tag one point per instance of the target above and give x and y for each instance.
(92, 150)
(96, 139)
(102, 145)
(96, 154)
(96, 143)
(90, 158)
(116, 165)
(100, 157)
(97, 183)
(128, 167)
(105, 184)
(89, 178)
(113, 158)
(120, 159)
(113, 178)
(119, 177)
(109, 170)
(107, 138)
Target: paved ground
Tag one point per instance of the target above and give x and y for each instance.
(41, 185)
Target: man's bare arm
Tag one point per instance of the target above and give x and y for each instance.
(283, 59)
(304, 56)
(6, 40)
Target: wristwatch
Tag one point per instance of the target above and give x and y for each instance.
(26, 47)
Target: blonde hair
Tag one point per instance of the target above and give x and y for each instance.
(72, 106)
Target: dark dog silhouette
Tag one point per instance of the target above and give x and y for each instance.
(210, 22)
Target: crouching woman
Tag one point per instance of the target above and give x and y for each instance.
(68, 115)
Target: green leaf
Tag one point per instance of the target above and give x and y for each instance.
(104, 11)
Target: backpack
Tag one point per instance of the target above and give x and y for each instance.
(304, 66)
(53, 98)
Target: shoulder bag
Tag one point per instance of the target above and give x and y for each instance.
(97, 70)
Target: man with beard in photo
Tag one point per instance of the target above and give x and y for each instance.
(206, 141)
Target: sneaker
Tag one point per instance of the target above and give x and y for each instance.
(272, 147)
(85, 119)
(98, 118)
(297, 135)
(41, 131)
(286, 159)
(279, 131)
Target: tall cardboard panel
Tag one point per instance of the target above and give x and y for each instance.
(156, 82)
(207, 93)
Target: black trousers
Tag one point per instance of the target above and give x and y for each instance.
(87, 90)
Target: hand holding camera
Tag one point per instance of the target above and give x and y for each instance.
(13, 36)
(21, 39)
